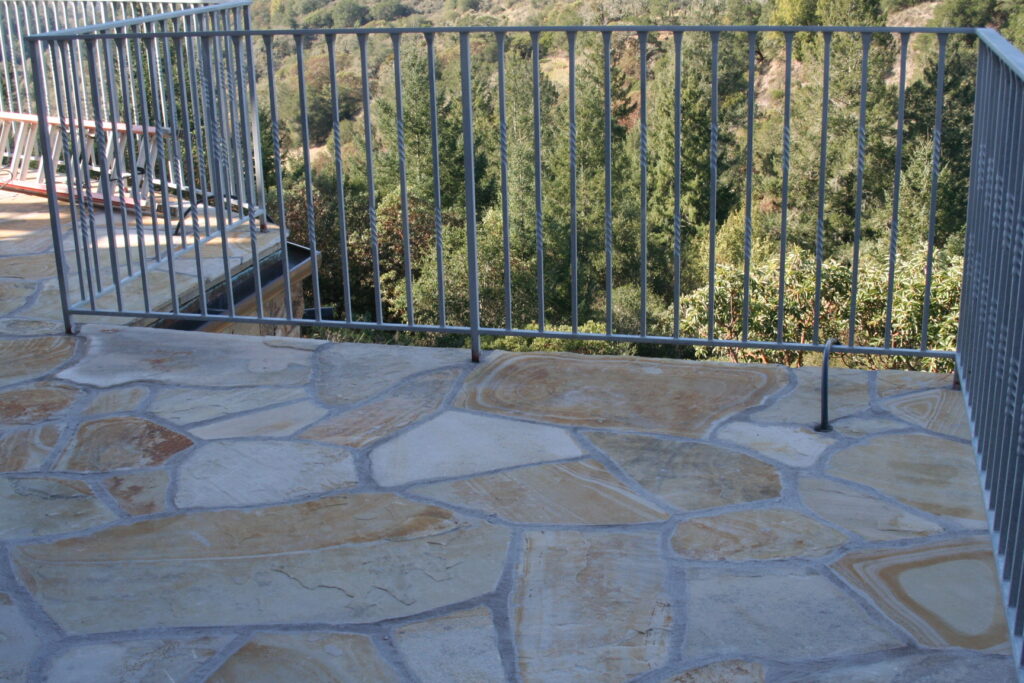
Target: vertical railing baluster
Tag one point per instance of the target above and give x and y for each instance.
(371, 202)
(642, 39)
(435, 160)
(403, 186)
(310, 218)
(282, 217)
(538, 201)
(250, 184)
(62, 100)
(573, 237)
(677, 45)
(933, 192)
(606, 38)
(713, 184)
(189, 172)
(748, 203)
(84, 188)
(161, 156)
(140, 232)
(894, 225)
(469, 162)
(784, 226)
(819, 234)
(859, 200)
(339, 177)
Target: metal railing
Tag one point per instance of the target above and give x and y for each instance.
(990, 348)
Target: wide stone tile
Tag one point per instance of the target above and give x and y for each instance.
(23, 327)
(14, 295)
(113, 443)
(37, 402)
(140, 493)
(309, 657)
(770, 534)
(776, 616)
(253, 472)
(892, 382)
(794, 445)
(616, 391)
(940, 410)
(381, 417)
(350, 373)
(38, 506)
(731, 671)
(134, 661)
(579, 492)
(277, 421)
(688, 475)
(187, 406)
(847, 394)
(455, 444)
(26, 449)
(18, 642)
(945, 594)
(861, 513)
(867, 424)
(32, 357)
(120, 400)
(121, 355)
(938, 667)
(590, 607)
(930, 473)
(454, 648)
(342, 559)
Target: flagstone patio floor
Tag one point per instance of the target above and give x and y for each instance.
(180, 506)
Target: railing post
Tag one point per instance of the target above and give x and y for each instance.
(467, 153)
(824, 425)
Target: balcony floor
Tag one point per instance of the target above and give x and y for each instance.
(188, 507)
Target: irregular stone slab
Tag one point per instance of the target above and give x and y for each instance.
(277, 421)
(14, 295)
(120, 355)
(939, 667)
(36, 402)
(776, 616)
(119, 400)
(590, 607)
(26, 449)
(732, 671)
(615, 391)
(342, 559)
(847, 394)
(455, 444)
(39, 506)
(940, 410)
(454, 648)
(892, 382)
(945, 594)
(311, 657)
(863, 514)
(350, 373)
(255, 472)
(140, 493)
(187, 406)
(858, 426)
(754, 535)
(580, 492)
(32, 357)
(687, 475)
(22, 327)
(112, 443)
(927, 472)
(382, 417)
(18, 642)
(128, 661)
(789, 444)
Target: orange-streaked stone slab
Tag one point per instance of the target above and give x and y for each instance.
(118, 400)
(27, 448)
(862, 513)
(893, 382)
(940, 410)
(36, 403)
(113, 443)
(769, 534)
(453, 648)
(590, 606)
(341, 559)
(944, 594)
(13, 295)
(689, 475)
(140, 493)
(617, 391)
(40, 506)
(579, 492)
(930, 473)
(308, 657)
(380, 417)
(135, 660)
(31, 357)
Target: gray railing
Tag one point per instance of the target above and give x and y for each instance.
(990, 348)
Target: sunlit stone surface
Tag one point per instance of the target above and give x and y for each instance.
(310, 657)
(615, 392)
(14, 295)
(112, 443)
(847, 394)
(188, 406)
(940, 410)
(689, 475)
(862, 513)
(580, 492)
(590, 606)
(321, 561)
(139, 493)
(945, 594)
(36, 402)
(892, 382)
(116, 401)
(31, 357)
(797, 446)
(128, 661)
(455, 648)
(754, 535)
(39, 506)
(272, 422)
(932, 474)
(27, 448)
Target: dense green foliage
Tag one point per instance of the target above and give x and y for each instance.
(745, 236)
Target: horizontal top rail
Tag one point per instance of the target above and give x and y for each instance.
(198, 8)
(1009, 55)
